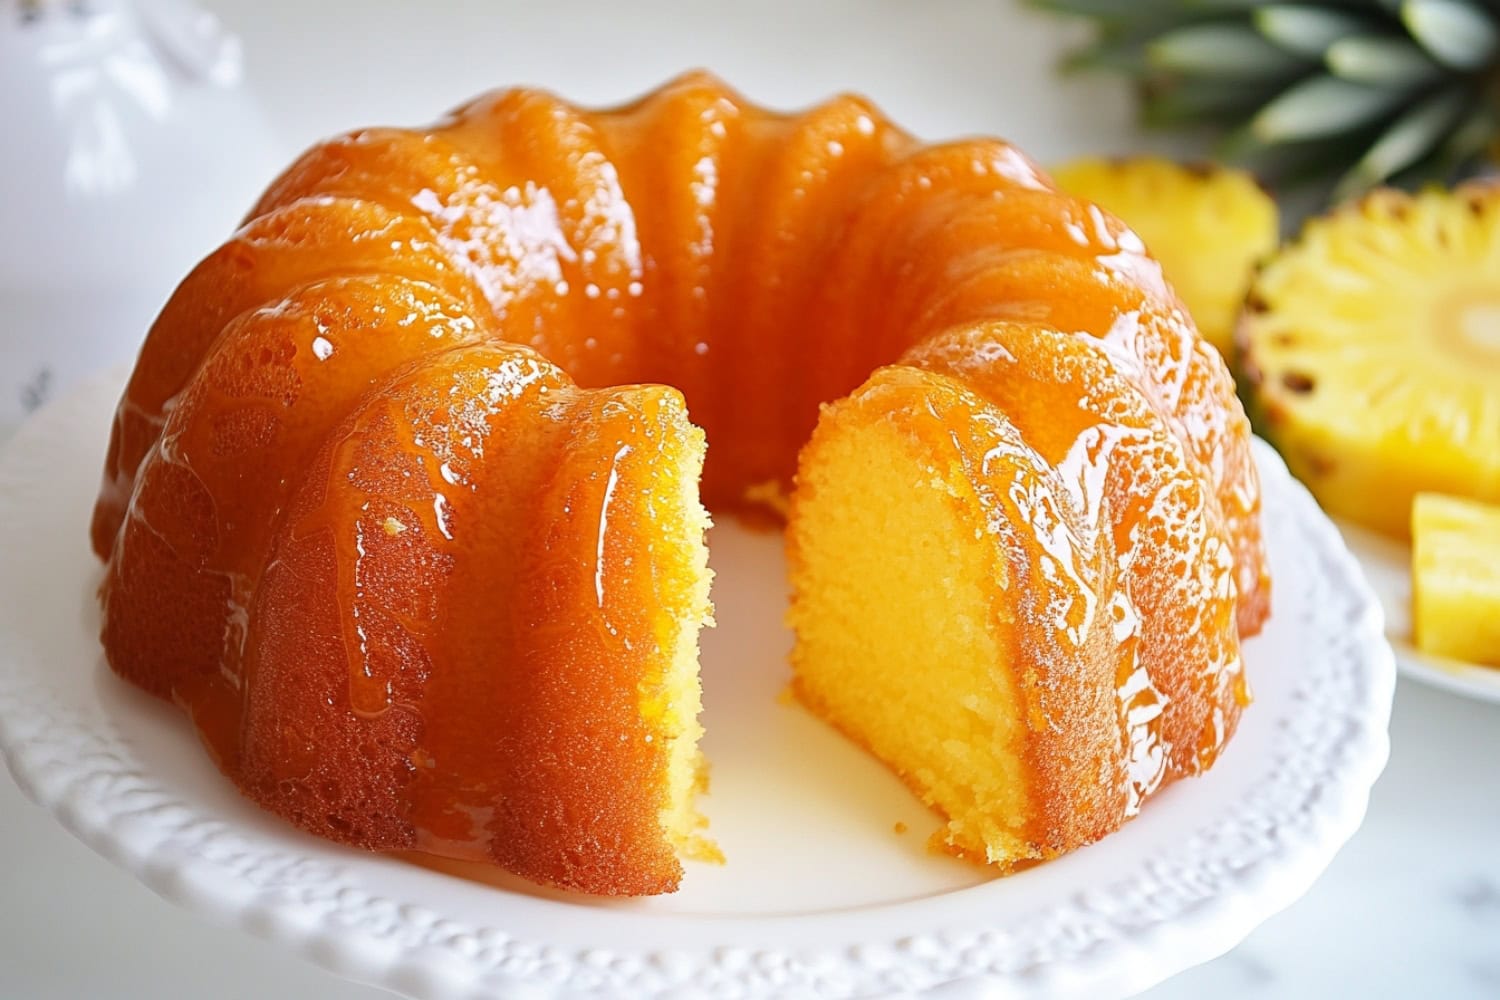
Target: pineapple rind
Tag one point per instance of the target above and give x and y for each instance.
(1456, 578)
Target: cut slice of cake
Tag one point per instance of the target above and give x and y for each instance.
(960, 618)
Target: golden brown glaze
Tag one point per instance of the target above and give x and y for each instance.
(1117, 459)
(187, 560)
(444, 574)
(761, 263)
(270, 256)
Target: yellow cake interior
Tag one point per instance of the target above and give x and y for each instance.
(682, 562)
(895, 613)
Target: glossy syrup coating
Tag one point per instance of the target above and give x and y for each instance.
(1061, 630)
(458, 571)
(761, 263)
(694, 239)
(269, 257)
(1064, 262)
(1115, 455)
(237, 441)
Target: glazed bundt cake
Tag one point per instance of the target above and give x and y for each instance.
(402, 502)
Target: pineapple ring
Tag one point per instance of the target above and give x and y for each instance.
(1372, 348)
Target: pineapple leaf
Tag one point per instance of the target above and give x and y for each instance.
(1431, 169)
(1296, 164)
(1470, 139)
(1120, 50)
(1413, 136)
(1458, 33)
(1109, 11)
(1204, 102)
(1221, 50)
(1321, 106)
(1362, 91)
(1222, 6)
(1309, 31)
(1381, 61)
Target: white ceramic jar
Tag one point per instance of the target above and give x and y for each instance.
(127, 152)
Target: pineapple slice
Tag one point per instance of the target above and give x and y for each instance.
(1456, 578)
(1371, 350)
(1207, 225)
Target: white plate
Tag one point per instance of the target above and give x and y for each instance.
(1387, 565)
(820, 896)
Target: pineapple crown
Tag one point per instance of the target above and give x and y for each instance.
(1358, 92)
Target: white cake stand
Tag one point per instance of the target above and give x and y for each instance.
(820, 896)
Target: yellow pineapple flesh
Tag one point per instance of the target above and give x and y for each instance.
(1371, 351)
(1456, 578)
(1207, 225)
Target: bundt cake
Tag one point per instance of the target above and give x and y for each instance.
(402, 502)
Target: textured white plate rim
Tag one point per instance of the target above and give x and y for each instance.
(1387, 566)
(1173, 912)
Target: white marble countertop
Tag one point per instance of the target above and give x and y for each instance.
(1410, 908)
